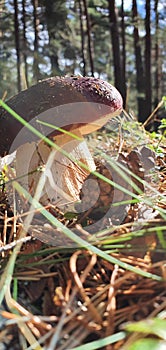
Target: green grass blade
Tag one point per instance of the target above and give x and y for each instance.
(98, 344)
(78, 240)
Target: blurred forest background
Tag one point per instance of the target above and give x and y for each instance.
(120, 41)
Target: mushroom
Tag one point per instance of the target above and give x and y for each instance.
(79, 105)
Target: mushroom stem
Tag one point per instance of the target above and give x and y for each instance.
(64, 179)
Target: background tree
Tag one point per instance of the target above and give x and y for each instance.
(140, 78)
(55, 20)
(82, 32)
(157, 55)
(40, 38)
(123, 52)
(88, 28)
(148, 85)
(24, 40)
(119, 82)
(17, 44)
(36, 71)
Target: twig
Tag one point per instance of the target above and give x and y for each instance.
(152, 114)
(13, 244)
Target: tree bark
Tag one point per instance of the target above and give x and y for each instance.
(157, 58)
(148, 86)
(123, 52)
(52, 27)
(17, 44)
(116, 48)
(24, 41)
(140, 81)
(36, 71)
(82, 38)
(89, 38)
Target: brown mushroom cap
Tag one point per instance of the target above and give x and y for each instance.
(83, 103)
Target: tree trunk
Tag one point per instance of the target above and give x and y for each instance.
(52, 27)
(89, 38)
(17, 44)
(82, 38)
(148, 85)
(123, 52)
(36, 71)
(24, 42)
(140, 81)
(116, 47)
(157, 58)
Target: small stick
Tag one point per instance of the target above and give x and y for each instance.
(152, 114)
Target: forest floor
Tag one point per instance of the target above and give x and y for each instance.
(98, 281)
